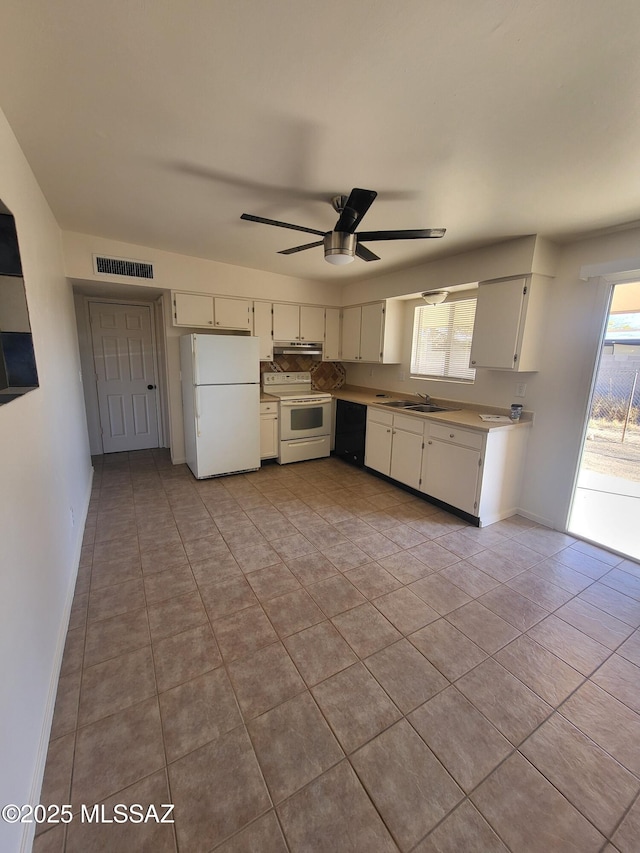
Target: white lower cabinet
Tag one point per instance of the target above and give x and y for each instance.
(394, 446)
(377, 452)
(479, 473)
(268, 430)
(406, 450)
(451, 466)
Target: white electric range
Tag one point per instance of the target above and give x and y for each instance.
(304, 424)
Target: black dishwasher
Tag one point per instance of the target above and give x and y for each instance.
(351, 425)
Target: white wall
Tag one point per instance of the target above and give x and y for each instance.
(45, 471)
(179, 272)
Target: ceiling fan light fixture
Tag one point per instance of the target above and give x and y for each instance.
(339, 247)
(435, 297)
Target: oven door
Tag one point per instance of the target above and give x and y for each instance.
(304, 419)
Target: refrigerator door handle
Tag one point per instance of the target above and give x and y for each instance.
(194, 357)
(196, 397)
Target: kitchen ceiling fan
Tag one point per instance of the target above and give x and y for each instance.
(342, 244)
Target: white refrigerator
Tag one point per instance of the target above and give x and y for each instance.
(221, 403)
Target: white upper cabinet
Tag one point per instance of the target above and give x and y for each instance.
(298, 323)
(286, 322)
(263, 329)
(331, 349)
(192, 309)
(199, 310)
(311, 323)
(509, 325)
(351, 322)
(232, 313)
(372, 332)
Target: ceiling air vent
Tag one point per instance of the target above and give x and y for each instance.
(122, 266)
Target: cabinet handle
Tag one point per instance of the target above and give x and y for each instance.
(218, 323)
(452, 435)
(473, 362)
(429, 442)
(210, 322)
(388, 430)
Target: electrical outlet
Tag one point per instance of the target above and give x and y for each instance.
(371, 371)
(521, 389)
(401, 376)
(72, 516)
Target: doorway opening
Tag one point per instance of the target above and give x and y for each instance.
(606, 500)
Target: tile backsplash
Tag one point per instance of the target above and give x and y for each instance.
(325, 375)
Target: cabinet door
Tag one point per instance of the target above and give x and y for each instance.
(311, 324)
(406, 457)
(268, 437)
(286, 322)
(450, 473)
(371, 332)
(232, 313)
(192, 309)
(497, 324)
(331, 349)
(378, 447)
(263, 329)
(351, 321)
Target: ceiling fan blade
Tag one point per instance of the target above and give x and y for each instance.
(250, 218)
(365, 254)
(357, 205)
(415, 234)
(301, 248)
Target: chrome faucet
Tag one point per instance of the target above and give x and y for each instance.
(425, 397)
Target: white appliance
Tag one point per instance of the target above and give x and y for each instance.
(221, 403)
(305, 417)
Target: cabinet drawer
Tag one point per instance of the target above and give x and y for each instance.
(465, 437)
(268, 408)
(379, 417)
(408, 424)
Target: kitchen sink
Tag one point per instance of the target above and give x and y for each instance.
(426, 407)
(417, 407)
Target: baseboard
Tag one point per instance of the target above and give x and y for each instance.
(41, 760)
(545, 522)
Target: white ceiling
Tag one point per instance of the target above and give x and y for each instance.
(159, 123)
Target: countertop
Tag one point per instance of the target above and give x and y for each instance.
(268, 398)
(465, 416)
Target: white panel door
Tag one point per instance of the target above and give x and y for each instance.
(125, 374)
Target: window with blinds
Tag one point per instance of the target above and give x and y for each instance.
(442, 340)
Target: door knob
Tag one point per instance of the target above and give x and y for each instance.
(151, 387)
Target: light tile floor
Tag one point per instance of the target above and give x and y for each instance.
(307, 658)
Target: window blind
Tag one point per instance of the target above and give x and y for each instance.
(442, 340)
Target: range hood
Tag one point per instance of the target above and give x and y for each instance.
(297, 348)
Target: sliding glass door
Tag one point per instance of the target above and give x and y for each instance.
(606, 500)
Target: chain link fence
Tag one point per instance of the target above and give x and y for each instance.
(613, 437)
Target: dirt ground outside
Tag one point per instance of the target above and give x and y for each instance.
(606, 453)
